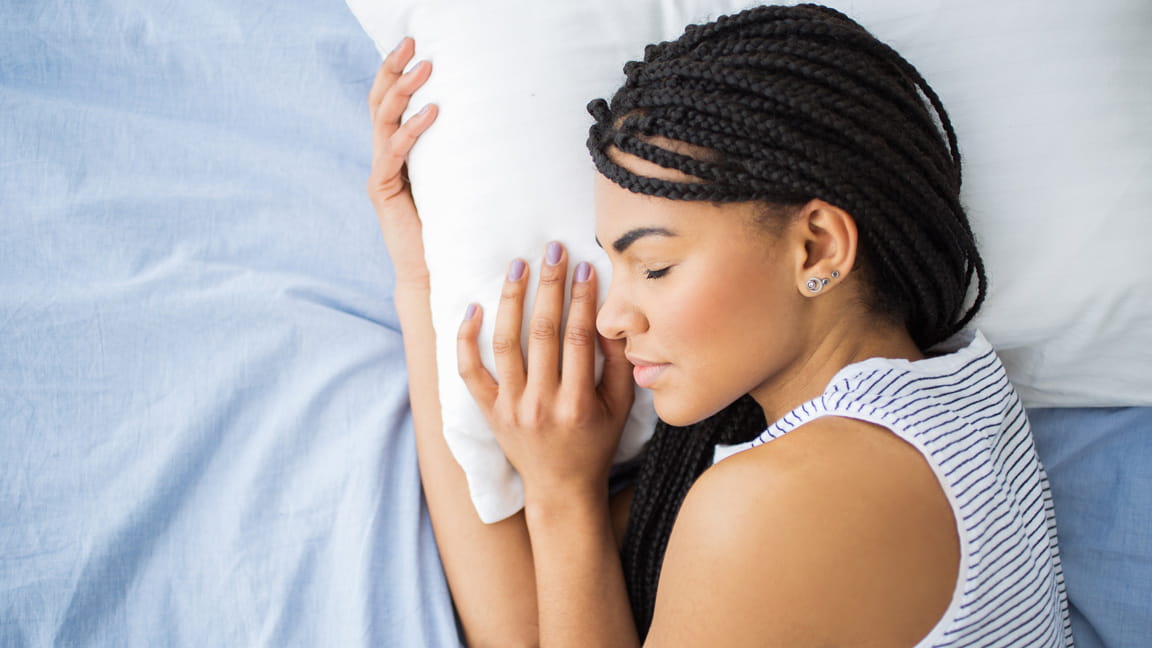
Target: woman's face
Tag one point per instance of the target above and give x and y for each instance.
(705, 296)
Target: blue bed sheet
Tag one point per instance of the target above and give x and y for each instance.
(1099, 461)
(204, 433)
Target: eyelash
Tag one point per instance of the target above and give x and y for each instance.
(656, 274)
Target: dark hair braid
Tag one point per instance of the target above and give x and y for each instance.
(791, 103)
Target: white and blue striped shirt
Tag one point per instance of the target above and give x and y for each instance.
(963, 415)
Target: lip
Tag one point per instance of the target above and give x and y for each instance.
(646, 373)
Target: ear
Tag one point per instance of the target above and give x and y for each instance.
(826, 239)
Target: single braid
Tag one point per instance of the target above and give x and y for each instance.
(791, 103)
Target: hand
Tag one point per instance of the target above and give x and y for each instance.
(557, 427)
(388, 186)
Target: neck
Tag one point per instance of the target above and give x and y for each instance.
(826, 352)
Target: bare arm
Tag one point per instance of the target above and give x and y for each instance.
(488, 566)
(559, 428)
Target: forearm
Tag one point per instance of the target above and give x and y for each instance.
(488, 566)
(581, 594)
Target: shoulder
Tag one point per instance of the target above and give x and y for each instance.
(836, 532)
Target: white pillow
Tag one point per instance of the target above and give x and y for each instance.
(1050, 100)
(1052, 104)
(505, 170)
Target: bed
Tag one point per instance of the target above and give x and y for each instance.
(204, 430)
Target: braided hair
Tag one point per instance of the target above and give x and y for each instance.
(791, 103)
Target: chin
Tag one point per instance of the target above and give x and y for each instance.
(676, 412)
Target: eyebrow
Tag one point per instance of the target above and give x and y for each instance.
(632, 236)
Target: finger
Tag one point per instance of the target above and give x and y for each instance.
(617, 388)
(387, 113)
(393, 141)
(385, 180)
(479, 382)
(506, 334)
(547, 315)
(580, 332)
(388, 72)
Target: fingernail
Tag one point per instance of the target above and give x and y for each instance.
(397, 48)
(516, 270)
(553, 253)
(583, 271)
(470, 312)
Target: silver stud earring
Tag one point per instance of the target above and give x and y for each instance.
(816, 284)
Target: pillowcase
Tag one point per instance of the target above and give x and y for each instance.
(505, 170)
(1049, 100)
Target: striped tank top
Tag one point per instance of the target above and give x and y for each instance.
(962, 414)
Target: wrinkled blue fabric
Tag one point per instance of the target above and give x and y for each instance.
(1099, 463)
(204, 431)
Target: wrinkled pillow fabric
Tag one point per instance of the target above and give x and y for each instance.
(505, 170)
(1050, 101)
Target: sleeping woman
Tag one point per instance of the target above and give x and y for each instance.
(841, 460)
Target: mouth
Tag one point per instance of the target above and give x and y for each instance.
(646, 373)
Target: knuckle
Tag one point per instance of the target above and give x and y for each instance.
(396, 153)
(382, 191)
(531, 413)
(542, 329)
(581, 293)
(511, 292)
(504, 345)
(572, 415)
(551, 278)
(501, 417)
(580, 336)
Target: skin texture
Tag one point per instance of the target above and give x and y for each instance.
(839, 529)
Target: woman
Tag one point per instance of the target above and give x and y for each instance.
(779, 199)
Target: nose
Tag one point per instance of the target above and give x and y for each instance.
(619, 317)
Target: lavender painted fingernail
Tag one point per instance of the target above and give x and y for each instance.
(397, 48)
(553, 253)
(470, 312)
(516, 270)
(583, 271)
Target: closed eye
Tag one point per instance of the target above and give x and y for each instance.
(656, 274)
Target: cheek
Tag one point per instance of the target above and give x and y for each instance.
(710, 319)
(736, 301)
(704, 328)
(727, 333)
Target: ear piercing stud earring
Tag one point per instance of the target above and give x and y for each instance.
(816, 284)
